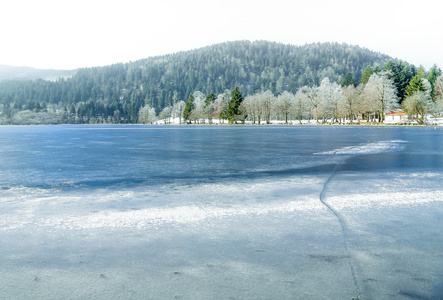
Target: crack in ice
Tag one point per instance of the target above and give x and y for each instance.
(344, 228)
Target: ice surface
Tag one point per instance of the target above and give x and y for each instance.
(91, 213)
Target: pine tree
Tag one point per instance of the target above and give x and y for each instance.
(421, 72)
(347, 80)
(433, 75)
(366, 75)
(389, 66)
(405, 72)
(210, 98)
(189, 106)
(234, 104)
(416, 84)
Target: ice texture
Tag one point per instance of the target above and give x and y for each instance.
(136, 212)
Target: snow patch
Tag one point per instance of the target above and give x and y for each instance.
(380, 200)
(369, 148)
(146, 218)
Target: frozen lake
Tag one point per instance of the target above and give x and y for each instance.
(221, 212)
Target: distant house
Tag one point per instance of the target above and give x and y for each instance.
(395, 116)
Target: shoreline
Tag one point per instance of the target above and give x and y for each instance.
(272, 124)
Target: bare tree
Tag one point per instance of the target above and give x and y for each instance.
(199, 103)
(165, 114)
(208, 109)
(329, 95)
(350, 101)
(311, 94)
(257, 107)
(285, 105)
(178, 110)
(301, 104)
(146, 115)
(248, 107)
(266, 103)
(221, 105)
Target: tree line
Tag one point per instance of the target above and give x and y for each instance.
(396, 86)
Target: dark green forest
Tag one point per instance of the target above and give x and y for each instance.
(115, 93)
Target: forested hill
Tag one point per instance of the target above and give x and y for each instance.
(160, 81)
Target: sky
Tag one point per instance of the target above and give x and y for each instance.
(68, 34)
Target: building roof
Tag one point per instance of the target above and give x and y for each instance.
(397, 112)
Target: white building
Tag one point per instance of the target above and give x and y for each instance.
(395, 116)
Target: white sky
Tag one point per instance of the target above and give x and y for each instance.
(68, 34)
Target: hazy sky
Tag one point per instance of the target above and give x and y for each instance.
(67, 34)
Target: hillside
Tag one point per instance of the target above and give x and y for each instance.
(117, 92)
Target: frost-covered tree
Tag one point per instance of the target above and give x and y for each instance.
(146, 115)
(165, 114)
(258, 108)
(208, 109)
(312, 95)
(380, 94)
(249, 107)
(199, 104)
(266, 103)
(301, 104)
(285, 105)
(418, 106)
(438, 96)
(178, 110)
(329, 95)
(221, 105)
(350, 102)
(438, 87)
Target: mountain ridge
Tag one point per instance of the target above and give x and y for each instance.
(8, 72)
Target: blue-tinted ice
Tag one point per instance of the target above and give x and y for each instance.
(221, 212)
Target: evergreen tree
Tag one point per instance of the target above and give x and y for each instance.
(421, 72)
(416, 84)
(210, 98)
(366, 75)
(189, 106)
(400, 76)
(433, 75)
(390, 66)
(404, 74)
(234, 104)
(347, 80)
